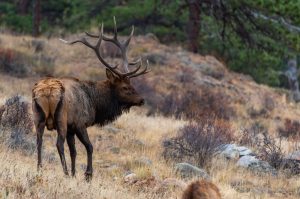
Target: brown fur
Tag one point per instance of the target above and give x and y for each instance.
(70, 106)
(201, 190)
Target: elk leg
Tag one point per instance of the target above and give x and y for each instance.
(72, 148)
(84, 138)
(61, 151)
(61, 125)
(40, 132)
(40, 123)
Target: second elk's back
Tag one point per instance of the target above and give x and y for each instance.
(201, 190)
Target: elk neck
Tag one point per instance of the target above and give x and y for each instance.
(104, 101)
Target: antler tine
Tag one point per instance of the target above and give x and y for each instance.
(141, 72)
(135, 62)
(95, 49)
(123, 46)
(129, 38)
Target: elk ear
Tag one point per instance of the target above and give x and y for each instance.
(110, 76)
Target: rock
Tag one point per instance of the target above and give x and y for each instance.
(291, 163)
(255, 164)
(152, 36)
(155, 59)
(143, 161)
(232, 151)
(111, 129)
(294, 155)
(138, 143)
(291, 166)
(115, 150)
(131, 178)
(38, 45)
(187, 170)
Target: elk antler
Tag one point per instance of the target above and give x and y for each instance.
(123, 47)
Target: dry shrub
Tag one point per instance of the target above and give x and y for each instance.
(10, 62)
(198, 141)
(271, 151)
(252, 136)
(16, 115)
(291, 129)
(16, 124)
(19, 64)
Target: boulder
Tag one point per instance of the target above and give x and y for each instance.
(251, 162)
(156, 58)
(131, 178)
(294, 155)
(187, 170)
(232, 151)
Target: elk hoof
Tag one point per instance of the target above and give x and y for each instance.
(88, 176)
(39, 167)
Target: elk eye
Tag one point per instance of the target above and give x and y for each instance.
(125, 88)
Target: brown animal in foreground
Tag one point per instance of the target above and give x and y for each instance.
(69, 105)
(201, 190)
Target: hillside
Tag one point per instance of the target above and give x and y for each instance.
(181, 86)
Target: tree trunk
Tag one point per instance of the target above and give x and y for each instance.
(36, 17)
(23, 6)
(193, 24)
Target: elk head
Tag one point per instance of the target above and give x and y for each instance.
(119, 81)
(123, 91)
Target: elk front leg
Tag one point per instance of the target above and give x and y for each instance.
(72, 148)
(84, 138)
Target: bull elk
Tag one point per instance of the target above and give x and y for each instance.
(70, 105)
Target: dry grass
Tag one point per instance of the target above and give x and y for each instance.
(19, 178)
(139, 135)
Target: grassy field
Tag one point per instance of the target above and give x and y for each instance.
(119, 146)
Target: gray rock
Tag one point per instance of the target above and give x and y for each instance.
(155, 58)
(152, 36)
(115, 150)
(143, 161)
(246, 161)
(232, 151)
(131, 178)
(294, 155)
(138, 143)
(111, 129)
(251, 162)
(38, 45)
(187, 170)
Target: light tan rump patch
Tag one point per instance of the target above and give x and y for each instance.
(47, 93)
(49, 87)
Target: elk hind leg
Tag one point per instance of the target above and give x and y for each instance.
(72, 148)
(61, 125)
(40, 122)
(84, 138)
